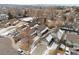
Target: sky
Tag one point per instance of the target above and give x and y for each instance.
(28, 2)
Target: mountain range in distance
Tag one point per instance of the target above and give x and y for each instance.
(38, 5)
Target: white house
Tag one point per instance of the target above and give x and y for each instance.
(3, 16)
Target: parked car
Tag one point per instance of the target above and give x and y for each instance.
(67, 51)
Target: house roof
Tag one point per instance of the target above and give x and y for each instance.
(27, 19)
(60, 34)
(32, 24)
(7, 30)
(41, 28)
(49, 38)
(4, 15)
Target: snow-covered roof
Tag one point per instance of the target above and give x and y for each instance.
(48, 38)
(27, 19)
(6, 31)
(4, 15)
(44, 30)
(59, 34)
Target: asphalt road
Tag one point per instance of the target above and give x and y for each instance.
(6, 47)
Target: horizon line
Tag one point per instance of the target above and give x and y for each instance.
(45, 4)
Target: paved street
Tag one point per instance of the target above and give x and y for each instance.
(6, 48)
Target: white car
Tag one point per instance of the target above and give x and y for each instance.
(67, 51)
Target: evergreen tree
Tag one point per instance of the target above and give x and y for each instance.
(10, 15)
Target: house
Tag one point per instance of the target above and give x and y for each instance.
(49, 39)
(3, 16)
(20, 24)
(70, 30)
(59, 34)
(27, 19)
(41, 30)
(9, 31)
(33, 24)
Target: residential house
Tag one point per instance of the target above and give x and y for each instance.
(41, 30)
(59, 34)
(49, 39)
(27, 19)
(3, 16)
(9, 31)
